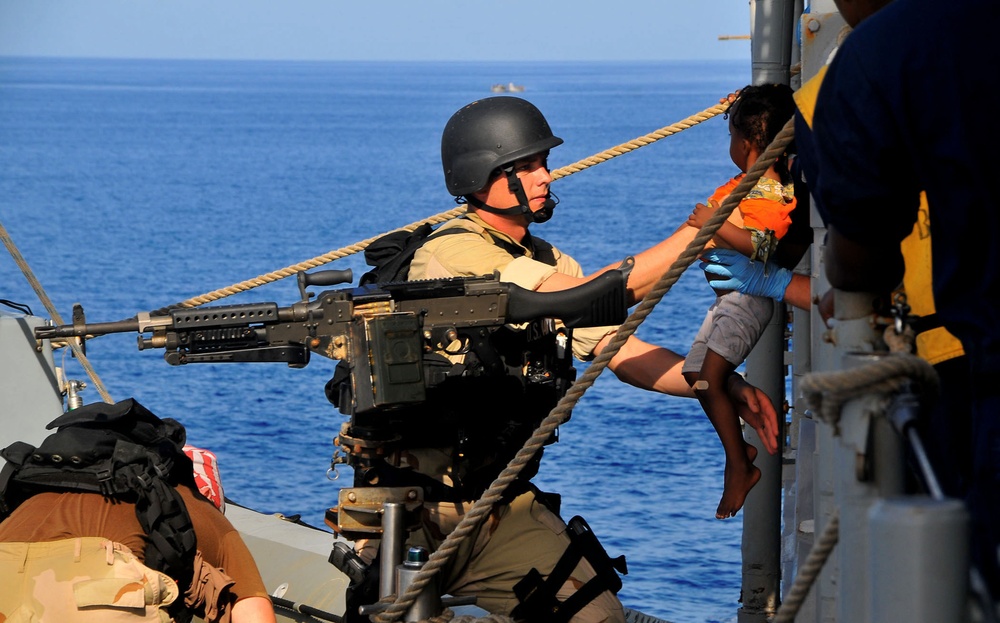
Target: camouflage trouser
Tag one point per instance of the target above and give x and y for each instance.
(514, 538)
(80, 580)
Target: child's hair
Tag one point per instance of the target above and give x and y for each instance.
(760, 112)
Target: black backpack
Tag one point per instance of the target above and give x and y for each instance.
(390, 255)
(120, 450)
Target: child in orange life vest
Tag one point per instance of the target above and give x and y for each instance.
(735, 321)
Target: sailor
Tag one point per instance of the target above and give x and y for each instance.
(875, 180)
(907, 135)
(522, 559)
(141, 545)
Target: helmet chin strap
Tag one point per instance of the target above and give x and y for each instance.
(522, 208)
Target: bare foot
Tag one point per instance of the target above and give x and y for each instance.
(751, 451)
(738, 482)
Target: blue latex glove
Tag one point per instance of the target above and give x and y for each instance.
(731, 270)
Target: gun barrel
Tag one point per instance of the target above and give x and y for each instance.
(82, 330)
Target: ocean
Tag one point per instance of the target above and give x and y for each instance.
(129, 185)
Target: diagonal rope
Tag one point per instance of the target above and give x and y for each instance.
(357, 247)
(289, 271)
(642, 141)
(49, 307)
(809, 571)
(560, 414)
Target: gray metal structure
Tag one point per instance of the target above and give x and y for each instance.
(29, 381)
(771, 47)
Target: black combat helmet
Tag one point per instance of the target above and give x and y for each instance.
(488, 134)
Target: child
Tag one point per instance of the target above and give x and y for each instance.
(735, 321)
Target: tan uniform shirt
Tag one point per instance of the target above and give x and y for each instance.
(475, 255)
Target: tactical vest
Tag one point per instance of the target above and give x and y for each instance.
(121, 451)
(485, 407)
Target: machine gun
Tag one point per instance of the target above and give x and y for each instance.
(381, 331)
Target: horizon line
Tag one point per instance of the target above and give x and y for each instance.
(6, 56)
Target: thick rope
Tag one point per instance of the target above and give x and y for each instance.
(357, 247)
(51, 309)
(562, 411)
(642, 141)
(826, 392)
(289, 271)
(809, 572)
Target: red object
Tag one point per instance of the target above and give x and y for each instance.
(206, 475)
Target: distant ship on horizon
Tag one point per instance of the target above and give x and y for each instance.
(510, 87)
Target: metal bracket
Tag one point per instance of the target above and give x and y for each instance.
(359, 509)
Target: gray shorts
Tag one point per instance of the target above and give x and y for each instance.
(732, 326)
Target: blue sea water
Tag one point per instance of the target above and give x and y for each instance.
(131, 185)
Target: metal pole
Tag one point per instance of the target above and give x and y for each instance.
(428, 604)
(762, 511)
(795, 54)
(799, 464)
(853, 497)
(868, 458)
(823, 598)
(771, 28)
(391, 552)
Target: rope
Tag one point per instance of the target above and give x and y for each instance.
(642, 141)
(826, 392)
(809, 571)
(288, 271)
(561, 413)
(357, 247)
(51, 309)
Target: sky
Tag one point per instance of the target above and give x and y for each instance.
(472, 30)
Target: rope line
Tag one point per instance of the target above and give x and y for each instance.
(809, 571)
(826, 392)
(289, 271)
(641, 141)
(357, 247)
(51, 309)
(562, 411)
